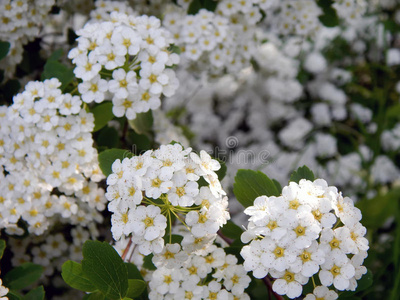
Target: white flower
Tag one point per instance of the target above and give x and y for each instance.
(289, 283)
(148, 222)
(338, 270)
(322, 292)
(171, 257)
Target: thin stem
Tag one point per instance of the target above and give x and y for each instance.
(267, 282)
(126, 249)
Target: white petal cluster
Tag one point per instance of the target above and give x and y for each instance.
(210, 275)
(125, 60)
(166, 180)
(309, 229)
(350, 10)
(294, 17)
(46, 146)
(216, 41)
(20, 22)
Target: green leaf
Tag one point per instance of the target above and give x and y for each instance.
(55, 69)
(4, 48)
(194, 7)
(94, 296)
(108, 137)
(108, 157)
(377, 210)
(277, 184)
(56, 55)
(329, 17)
(102, 114)
(251, 184)
(143, 123)
(105, 269)
(2, 248)
(135, 288)
(175, 239)
(148, 263)
(35, 294)
(73, 275)
(302, 173)
(364, 283)
(13, 295)
(231, 230)
(133, 271)
(22, 276)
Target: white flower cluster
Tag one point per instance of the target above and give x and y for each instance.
(210, 275)
(20, 22)
(350, 10)
(104, 8)
(167, 181)
(310, 228)
(224, 40)
(49, 165)
(293, 17)
(3, 291)
(127, 60)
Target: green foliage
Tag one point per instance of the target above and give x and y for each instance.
(2, 248)
(143, 123)
(135, 288)
(107, 158)
(108, 137)
(133, 271)
(22, 276)
(196, 5)
(54, 68)
(148, 263)
(4, 48)
(35, 294)
(251, 184)
(231, 230)
(364, 283)
(377, 210)
(329, 17)
(105, 269)
(72, 274)
(102, 115)
(302, 173)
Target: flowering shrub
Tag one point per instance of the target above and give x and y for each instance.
(130, 132)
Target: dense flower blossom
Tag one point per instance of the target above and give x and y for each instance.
(308, 244)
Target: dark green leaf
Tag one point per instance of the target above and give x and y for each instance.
(251, 184)
(71, 36)
(231, 230)
(56, 55)
(2, 248)
(135, 288)
(143, 123)
(108, 157)
(35, 294)
(22, 276)
(377, 210)
(140, 142)
(175, 239)
(329, 17)
(102, 115)
(94, 296)
(13, 295)
(105, 269)
(4, 48)
(10, 89)
(210, 5)
(108, 137)
(133, 271)
(194, 7)
(73, 275)
(277, 184)
(302, 173)
(56, 69)
(148, 263)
